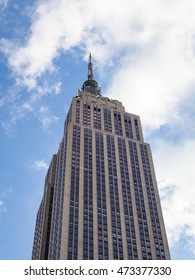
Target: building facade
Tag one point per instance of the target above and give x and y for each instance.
(100, 199)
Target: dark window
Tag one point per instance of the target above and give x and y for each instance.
(88, 197)
(86, 114)
(127, 201)
(114, 200)
(140, 205)
(152, 201)
(128, 126)
(97, 117)
(137, 129)
(117, 123)
(74, 196)
(107, 120)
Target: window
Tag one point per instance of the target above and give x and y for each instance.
(117, 123)
(86, 114)
(127, 202)
(152, 201)
(114, 200)
(107, 120)
(128, 126)
(140, 204)
(97, 117)
(137, 129)
(77, 111)
(74, 195)
(88, 197)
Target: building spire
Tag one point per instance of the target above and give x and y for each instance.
(90, 85)
(90, 69)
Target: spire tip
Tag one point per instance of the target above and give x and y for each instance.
(90, 57)
(90, 68)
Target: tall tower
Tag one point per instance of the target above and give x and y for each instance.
(100, 198)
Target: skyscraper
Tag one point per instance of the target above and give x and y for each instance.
(100, 198)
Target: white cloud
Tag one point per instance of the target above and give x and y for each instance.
(16, 113)
(3, 194)
(150, 48)
(40, 165)
(2, 101)
(175, 172)
(27, 106)
(22, 104)
(57, 88)
(2, 207)
(44, 109)
(3, 3)
(1, 204)
(45, 117)
(155, 85)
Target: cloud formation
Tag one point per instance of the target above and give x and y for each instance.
(2, 209)
(175, 170)
(3, 4)
(40, 165)
(45, 117)
(3, 194)
(149, 49)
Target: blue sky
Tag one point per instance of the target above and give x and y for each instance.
(143, 54)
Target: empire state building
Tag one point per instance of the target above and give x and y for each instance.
(100, 199)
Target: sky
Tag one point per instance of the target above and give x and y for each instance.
(144, 55)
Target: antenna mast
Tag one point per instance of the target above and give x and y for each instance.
(90, 69)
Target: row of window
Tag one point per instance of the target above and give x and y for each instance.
(74, 197)
(128, 211)
(101, 199)
(114, 201)
(38, 232)
(117, 119)
(88, 197)
(152, 203)
(140, 205)
(58, 199)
